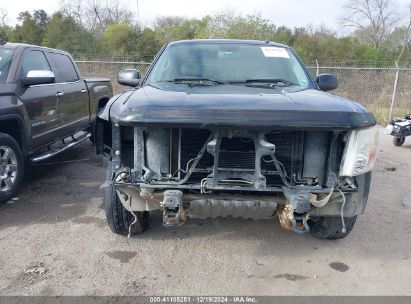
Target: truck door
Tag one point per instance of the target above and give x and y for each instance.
(74, 100)
(41, 101)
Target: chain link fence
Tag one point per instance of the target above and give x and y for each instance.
(373, 87)
(110, 69)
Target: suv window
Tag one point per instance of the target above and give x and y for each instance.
(64, 67)
(34, 61)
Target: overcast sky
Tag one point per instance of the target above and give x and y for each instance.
(291, 13)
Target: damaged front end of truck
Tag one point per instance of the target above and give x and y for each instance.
(206, 169)
(304, 157)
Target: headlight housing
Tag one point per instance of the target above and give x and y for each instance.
(360, 152)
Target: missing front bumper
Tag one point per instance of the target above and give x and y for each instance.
(176, 205)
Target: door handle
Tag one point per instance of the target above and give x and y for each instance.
(83, 91)
(59, 94)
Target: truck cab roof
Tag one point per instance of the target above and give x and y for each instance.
(16, 46)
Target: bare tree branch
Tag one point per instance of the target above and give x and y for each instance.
(73, 9)
(379, 16)
(96, 15)
(3, 16)
(407, 37)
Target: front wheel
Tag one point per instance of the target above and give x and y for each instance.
(11, 167)
(398, 141)
(119, 219)
(331, 228)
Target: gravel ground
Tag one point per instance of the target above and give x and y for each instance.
(54, 241)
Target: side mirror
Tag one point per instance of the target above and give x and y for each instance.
(326, 82)
(38, 77)
(129, 77)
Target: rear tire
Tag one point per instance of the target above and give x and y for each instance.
(330, 228)
(398, 141)
(119, 219)
(11, 167)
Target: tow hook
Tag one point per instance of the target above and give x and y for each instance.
(173, 211)
(291, 220)
(300, 223)
(294, 216)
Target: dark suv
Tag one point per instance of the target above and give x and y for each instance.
(235, 128)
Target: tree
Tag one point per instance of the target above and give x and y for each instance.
(3, 16)
(4, 29)
(105, 28)
(376, 18)
(406, 35)
(96, 15)
(148, 44)
(283, 35)
(171, 28)
(65, 33)
(120, 39)
(227, 24)
(32, 27)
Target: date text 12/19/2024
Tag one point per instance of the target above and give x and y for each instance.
(203, 299)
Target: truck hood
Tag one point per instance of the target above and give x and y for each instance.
(177, 105)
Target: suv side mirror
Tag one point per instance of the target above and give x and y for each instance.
(129, 77)
(35, 77)
(326, 82)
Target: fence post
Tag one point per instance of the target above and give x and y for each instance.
(318, 67)
(394, 90)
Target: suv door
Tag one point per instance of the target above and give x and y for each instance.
(41, 101)
(74, 101)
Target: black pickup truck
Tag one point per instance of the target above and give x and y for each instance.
(235, 128)
(46, 107)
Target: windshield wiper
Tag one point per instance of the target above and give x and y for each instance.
(268, 82)
(192, 81)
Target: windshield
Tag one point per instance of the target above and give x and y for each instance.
(248, 64)
(6, 55)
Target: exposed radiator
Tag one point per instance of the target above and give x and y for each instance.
(239, 153)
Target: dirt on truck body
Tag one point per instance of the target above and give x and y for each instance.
(235, 128)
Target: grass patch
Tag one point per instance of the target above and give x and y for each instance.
(381, 114)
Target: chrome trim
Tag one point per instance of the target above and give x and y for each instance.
(70, 145)
(179, 154)
(40, 74)
(54, 83)
(62, 126)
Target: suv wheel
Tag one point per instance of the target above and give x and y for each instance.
(11, 167)
(330, 228)
(119, 219)
(398, 141)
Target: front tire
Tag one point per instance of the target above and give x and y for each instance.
(11, 167)
(330, 228)
(398, 141)
(119, 219)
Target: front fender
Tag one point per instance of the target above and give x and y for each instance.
(110, 111)
(11, 108)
